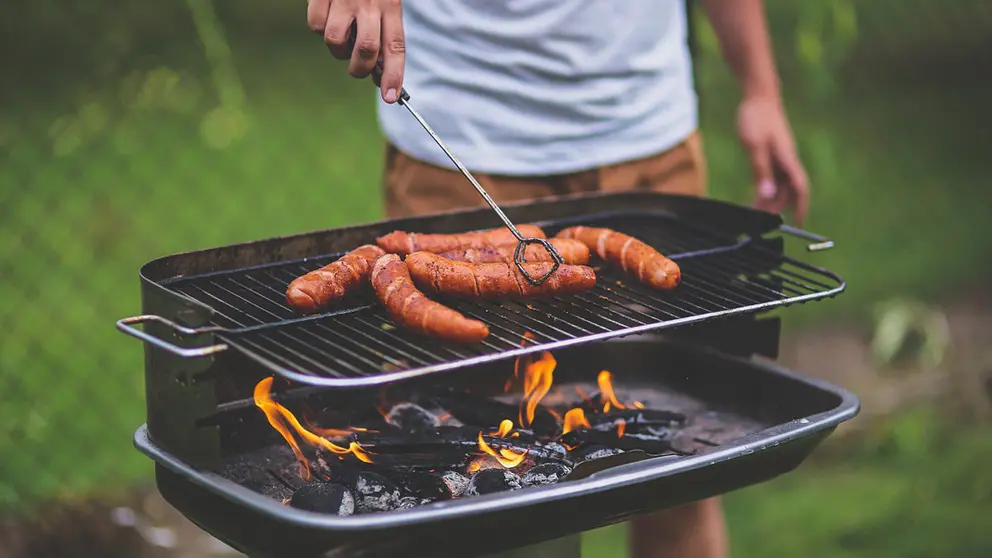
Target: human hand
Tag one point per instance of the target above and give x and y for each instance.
(780, 180)
(379, 35)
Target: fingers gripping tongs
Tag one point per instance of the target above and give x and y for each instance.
(522, 243)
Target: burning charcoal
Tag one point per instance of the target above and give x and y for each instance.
(557, 449)
(409, 502)
(591, 452)
(374, 492)
(429, 485)
(412, 419)
(548, 473)
(488, 481)
(647, 443)
(330, 467)
(324, 497)
(457, 483)
(482, 411)
(645, 421)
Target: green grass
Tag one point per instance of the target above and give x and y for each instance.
(898, 175)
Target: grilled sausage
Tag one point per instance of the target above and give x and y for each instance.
(411, 309)
(332, 282)
(404, 243)
(572, 252)
(439, 275)
(632, 255)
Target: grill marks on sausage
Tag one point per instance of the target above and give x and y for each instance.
(321, 287)
(495, 280)
(572, 252)
(630, 254)
(404, 243)
(412, 309)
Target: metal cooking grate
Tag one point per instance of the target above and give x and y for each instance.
(358, 344)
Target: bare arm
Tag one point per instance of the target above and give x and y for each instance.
(764, 130)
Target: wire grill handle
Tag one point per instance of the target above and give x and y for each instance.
(522, 242)
(819, 242)
(125, 325)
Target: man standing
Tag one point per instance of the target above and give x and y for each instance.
(551, 97)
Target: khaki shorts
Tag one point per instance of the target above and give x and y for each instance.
(412, 187)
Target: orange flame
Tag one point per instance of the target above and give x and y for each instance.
(538, 377)
(605, 381)
(528, 336)
(621, 428)
(276, 414)
(506, 457)
(574, 419)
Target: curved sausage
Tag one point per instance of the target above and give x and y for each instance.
(632, 255)
(412, 309)
(572, 252)
(404, 243)
(332, 282)
(494, 280)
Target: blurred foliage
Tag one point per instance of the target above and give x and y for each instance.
(137, 130)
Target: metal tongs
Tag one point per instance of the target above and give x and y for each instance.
(522, 243)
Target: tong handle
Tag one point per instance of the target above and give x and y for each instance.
(126, 325)
(819, 242)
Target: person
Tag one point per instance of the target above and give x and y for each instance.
(550, 97)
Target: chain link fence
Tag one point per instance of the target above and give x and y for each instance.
(129, 131)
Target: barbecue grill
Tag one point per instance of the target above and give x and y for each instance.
(216, 324)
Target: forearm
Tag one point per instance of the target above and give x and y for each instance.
(743, 33)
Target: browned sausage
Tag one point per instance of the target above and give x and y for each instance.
(411, 309)
(632, 255)
(332, 282)
(404, 243)
(572, 252)
(494, 280)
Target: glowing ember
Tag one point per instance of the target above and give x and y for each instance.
(538, 377)
(605, 381)
(506, 457)
(574, 419)
(279, 415)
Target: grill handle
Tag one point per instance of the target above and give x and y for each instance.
(819, 242)
(125, 325)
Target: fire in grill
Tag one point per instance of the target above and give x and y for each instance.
(440, 443)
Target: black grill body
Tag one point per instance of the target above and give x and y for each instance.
(211, 335)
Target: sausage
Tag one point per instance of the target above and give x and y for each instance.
(572, 252)
(632, 255)
(404, 243)
(332, 282)
(411, 308)
(439, 275)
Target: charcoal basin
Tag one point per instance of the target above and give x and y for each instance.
(761, 420)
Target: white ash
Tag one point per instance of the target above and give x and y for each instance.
(347, 504)
(408, 502)
(601, 453)
(548, 473)
(412, 418)
(375, 494)
(557, 448)
(457, 483)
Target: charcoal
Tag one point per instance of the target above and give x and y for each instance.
(427, 485)
(646, 421)
(445, 446)
(588, 453)
(375, 493)
(488, 481)
(481, 411)
(324, 497)
(585, 437)
(412, 419)
(457, 483)
(557, 450)
(330, 467)
(547, 473)
(410, 502)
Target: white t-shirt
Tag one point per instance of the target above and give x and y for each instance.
(537, 87)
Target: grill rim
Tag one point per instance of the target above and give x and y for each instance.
(765, 441)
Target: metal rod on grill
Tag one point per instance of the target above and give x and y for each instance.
(522, 242)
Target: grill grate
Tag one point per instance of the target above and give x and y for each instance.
(359, 345)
